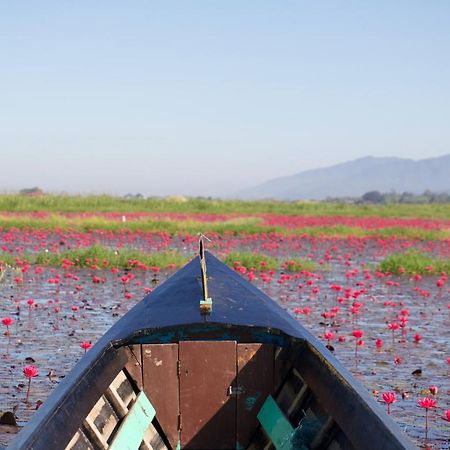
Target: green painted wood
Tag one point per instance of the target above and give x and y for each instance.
(275, 424)
(131, 431)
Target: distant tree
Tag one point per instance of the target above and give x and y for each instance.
(372, 197)
(394, 197)
(442, 197)
(130, 196)
(32, 192)
(406, 197)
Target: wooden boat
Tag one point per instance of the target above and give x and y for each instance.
(227, 368)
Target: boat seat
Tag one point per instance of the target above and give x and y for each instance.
(275, 424)
(132, 429)
(122, 419)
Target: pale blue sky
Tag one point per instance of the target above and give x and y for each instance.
(207, 97)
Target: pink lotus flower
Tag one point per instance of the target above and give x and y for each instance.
(358, 334)
(433, 390)
(30, 372)
(389, 398)
(7, 321)
(427, 403)
(86, 345)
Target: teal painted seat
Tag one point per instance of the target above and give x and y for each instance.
(275, 424)
(132, 430)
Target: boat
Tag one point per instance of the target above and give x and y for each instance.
(208, 361)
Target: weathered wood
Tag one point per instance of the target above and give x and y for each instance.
(275, 424)
(161, 385)
(364, 427)
(62, 414)
(122, 390)
(104, 420)
(104, 417)
(80, 442)
(131, 431)
(152, 440)
(255, 363)
(208, 413)
(283, 363)
(323, 436)
(134, 364)
(291, 393)
(94, 434)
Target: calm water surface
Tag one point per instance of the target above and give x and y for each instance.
(48, 334)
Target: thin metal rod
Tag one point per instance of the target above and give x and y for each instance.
(203, 268)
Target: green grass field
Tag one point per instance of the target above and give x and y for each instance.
(59, 203)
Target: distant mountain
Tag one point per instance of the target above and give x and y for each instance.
(355, 178)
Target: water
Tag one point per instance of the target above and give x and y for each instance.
(50, 331)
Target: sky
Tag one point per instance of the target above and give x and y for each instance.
(204, 98)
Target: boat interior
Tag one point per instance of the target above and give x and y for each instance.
(211, 395)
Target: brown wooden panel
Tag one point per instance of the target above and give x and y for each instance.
(283, 364)
(161, 386)
(134, 364)
(208, 412)
(254, 383)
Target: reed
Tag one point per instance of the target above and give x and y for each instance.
(250, 260)
(100, 256)
(414, 262)
(299, 264)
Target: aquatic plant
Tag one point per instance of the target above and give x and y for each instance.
(414, 263)
(299, 264)
(389, 398)
(251, 260)
(358, 335)
(7, 322)
(107, 257)
(86, 345)
(427, 403)
(30, 372)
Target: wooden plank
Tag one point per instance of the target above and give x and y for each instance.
(132, 429)
(79, 442)
(134, 364)
(106, 418)
(125, 391)
(283, 363)
(255, 363)
(120, 394)
(94, 435)
(152, 440)
(160, 378)
(275, 424)
(292, 393)
(208, 413)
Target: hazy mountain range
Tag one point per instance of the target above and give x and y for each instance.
(355, 178)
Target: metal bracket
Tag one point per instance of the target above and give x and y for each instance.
(206, 306)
